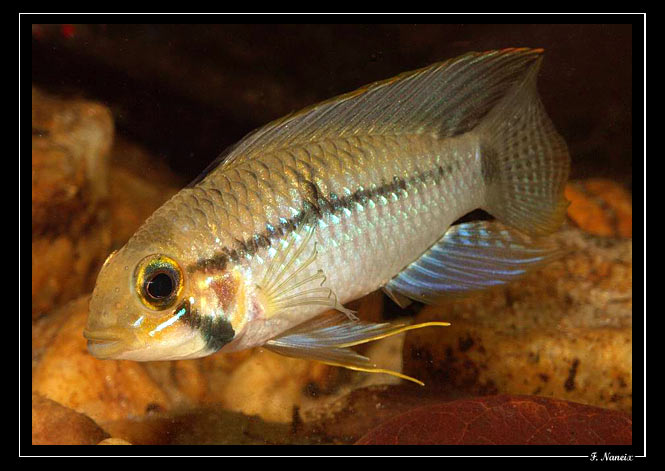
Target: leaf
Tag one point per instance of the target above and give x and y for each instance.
(504, 420)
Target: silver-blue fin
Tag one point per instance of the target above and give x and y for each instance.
(399, 299)
(327, 337)
(472, 257)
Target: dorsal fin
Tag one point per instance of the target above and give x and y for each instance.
(445, 99)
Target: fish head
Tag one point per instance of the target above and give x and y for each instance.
(148, 304)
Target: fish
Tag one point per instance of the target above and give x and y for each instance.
(357, 193)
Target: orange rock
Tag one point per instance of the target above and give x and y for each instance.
(70, 233)
(70, 145)
(54, 424)
(600, 207)
(114, 441)
(64, 267)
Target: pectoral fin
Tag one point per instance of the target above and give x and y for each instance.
(287, 281)
(327, 338)
(471, 257)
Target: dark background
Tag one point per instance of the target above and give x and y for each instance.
(186, 92)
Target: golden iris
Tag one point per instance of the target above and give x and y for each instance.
(158, 281)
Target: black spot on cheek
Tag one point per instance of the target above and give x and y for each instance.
(216, 331)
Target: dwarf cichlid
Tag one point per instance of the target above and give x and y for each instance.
(328, 204)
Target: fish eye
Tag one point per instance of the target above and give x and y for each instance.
(158, 281)
(160, 286)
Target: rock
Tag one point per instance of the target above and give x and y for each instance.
(54, 424)
(70, 142)
(70, 232)
(211, 425)
(114, 441)
(600, 207)
(66, 266)
(44, 331)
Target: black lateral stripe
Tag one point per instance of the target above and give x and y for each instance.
(315, 206)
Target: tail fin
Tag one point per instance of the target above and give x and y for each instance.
(525, 161)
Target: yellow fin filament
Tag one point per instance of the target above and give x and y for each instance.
(398, 330)
(376, 370)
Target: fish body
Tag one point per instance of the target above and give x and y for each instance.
(333, 202)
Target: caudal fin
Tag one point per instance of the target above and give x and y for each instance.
(525, 161)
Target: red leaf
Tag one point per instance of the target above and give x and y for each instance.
(504, 420)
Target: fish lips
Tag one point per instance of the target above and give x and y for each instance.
(104, 344)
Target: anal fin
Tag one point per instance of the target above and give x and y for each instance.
(326, 338)
(472, 257)
(399, 299)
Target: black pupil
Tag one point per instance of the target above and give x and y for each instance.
(160, 286)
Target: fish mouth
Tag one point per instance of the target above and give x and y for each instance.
(105, 344)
